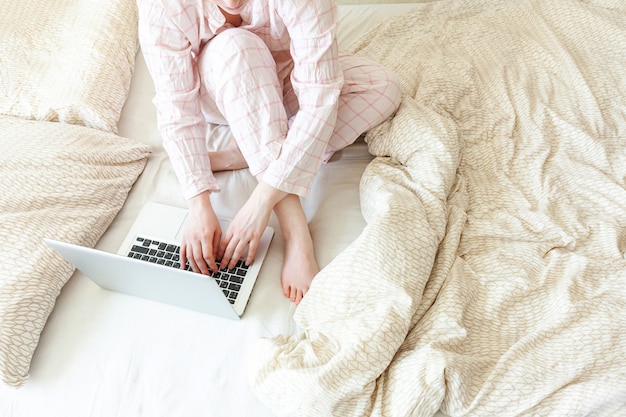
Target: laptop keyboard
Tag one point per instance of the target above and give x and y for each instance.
(168, 254)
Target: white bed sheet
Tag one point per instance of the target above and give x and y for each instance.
(107, 354)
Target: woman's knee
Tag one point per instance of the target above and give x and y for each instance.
(387, 84)
(393, 88)
(230, 46)
(371, 79)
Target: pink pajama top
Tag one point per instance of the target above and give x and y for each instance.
(173, 32)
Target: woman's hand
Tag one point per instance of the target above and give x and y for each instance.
(202, 236)
(246, 229)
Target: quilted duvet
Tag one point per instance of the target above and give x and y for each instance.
(490, 278)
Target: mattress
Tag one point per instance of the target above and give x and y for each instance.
(108, 354)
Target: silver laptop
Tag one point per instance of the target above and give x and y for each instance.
(147, 266)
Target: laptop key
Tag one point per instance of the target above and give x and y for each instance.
(139, 249)
(236, 279)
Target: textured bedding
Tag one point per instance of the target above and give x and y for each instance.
(490, 278)
(67, 61)
(65, 72)
(62, 182)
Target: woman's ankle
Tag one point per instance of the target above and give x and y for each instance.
(227, 160)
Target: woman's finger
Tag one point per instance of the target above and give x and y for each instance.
(198, 257)
(239, 249)
(252, 247)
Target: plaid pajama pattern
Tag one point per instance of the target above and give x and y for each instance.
(290, 98)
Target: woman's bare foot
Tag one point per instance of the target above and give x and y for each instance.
(227, 159)
(299, 266)
(299, 269)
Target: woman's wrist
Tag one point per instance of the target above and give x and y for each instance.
(269, 196)
(200, 201)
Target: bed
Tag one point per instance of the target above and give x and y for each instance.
(472, 246)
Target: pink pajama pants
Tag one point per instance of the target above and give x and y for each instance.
(244, 86)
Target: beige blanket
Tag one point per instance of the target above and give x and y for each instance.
(69, 62)
(490, 279)
(58, 181)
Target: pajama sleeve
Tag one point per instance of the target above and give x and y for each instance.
(169, 52)
(317, 80)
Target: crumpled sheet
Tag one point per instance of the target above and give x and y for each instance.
(490, 278)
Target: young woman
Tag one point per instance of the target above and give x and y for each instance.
(272, 72)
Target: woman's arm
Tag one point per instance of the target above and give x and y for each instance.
(317, 80)
(169, 53)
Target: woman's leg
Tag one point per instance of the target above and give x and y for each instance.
(300, 265)
(370, 94)
(244, 92)
(240, 88)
